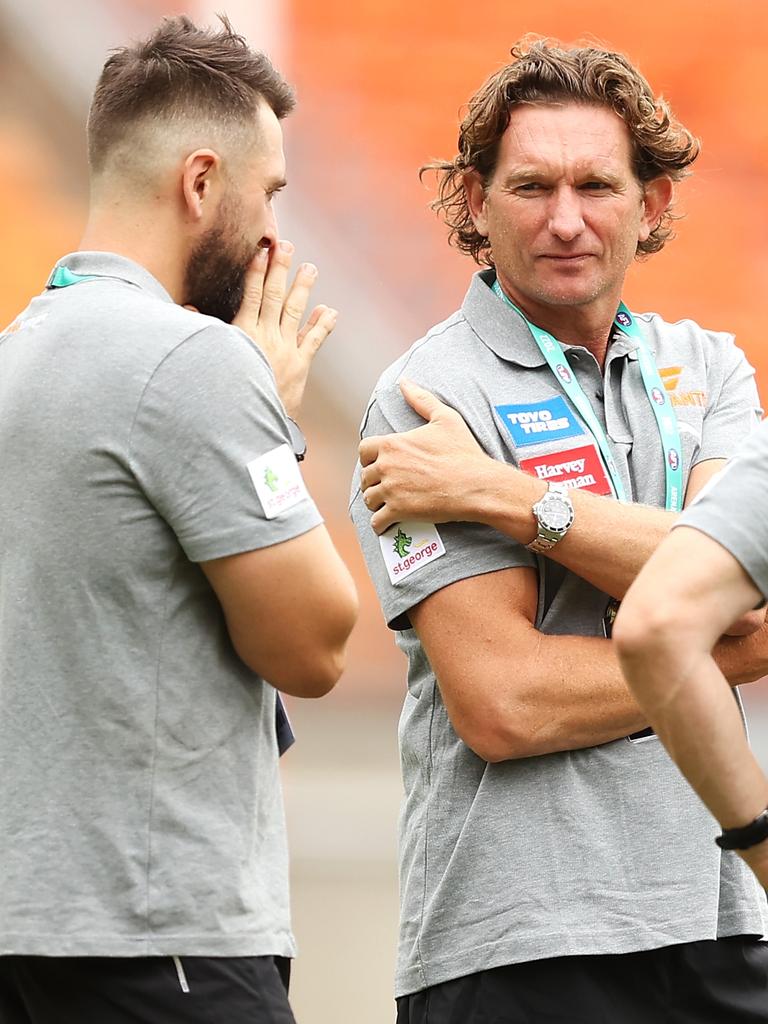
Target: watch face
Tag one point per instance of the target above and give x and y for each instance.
(555, 513)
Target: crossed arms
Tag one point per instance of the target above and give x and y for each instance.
(565, 692)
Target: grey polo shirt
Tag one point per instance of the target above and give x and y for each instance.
(733, 510)
(604, 850)
(140, 802)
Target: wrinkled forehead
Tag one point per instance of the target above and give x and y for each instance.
(571, 137)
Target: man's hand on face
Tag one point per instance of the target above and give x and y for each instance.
(432, 474)
(273, 319)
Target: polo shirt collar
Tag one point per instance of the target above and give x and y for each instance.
(505, 332)
(497, 325)
(110, 264)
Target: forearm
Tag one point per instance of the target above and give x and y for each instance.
(743, 659)
(692, 709)
(698, 720)
(608, 543)
(574, 695)
(567, 693)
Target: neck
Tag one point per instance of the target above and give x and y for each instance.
(142, 235)
(589, 325)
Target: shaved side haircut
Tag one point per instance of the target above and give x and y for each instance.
(181, 76)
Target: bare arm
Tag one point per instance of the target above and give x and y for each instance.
(438, 473)
(512, 691)
(289, 609)
(671, 618)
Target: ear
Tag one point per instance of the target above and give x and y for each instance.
(200, 178)
(475, 193)
(656, 199)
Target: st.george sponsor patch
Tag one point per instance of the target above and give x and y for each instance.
(551, 420)
(278, 481)
(580, 468)
(407, 547)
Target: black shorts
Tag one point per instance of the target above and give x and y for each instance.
(723, 982)
(144, 990)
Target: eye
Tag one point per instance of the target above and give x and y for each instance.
(530, 187)
(596, 186)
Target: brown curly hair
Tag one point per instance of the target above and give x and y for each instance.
(544, 71)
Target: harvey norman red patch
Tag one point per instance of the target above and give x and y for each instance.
(576, 467)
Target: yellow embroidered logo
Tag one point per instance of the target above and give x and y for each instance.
(670, 375)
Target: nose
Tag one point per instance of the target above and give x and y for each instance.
(270, 236)
(566, 219)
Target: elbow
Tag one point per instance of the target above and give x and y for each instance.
(317, 677)
(309, 661)
(643, 632)
(308, 674)
(495, 739)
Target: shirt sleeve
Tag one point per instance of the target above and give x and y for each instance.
(732, 507)
(210, 448)
(733, 409)
(430, 556)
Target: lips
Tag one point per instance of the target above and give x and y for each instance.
(568, 258)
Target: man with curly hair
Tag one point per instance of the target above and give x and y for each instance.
(554, 864)
(163, 569)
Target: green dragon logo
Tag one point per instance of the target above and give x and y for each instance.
(402, 543)
(271, 478)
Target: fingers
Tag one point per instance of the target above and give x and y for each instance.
(296, 300)
(275, 281)
(382, 520)
(253, 287)
(369, 450)
(369, 477)
(316, 330)
(373, 498)
(422, 401)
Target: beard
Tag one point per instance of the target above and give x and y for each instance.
(214, 279)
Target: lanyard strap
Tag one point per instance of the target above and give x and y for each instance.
(63, 277)
(656, 393)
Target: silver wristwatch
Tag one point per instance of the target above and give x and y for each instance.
(554, 515)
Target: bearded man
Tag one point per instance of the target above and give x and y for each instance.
(160, 560)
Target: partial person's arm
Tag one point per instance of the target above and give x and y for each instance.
(512, 691)
(289, 602)
(289, 609)
(684, 598)
(438, 473)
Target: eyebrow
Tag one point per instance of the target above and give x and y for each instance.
(275, 185)
(527, 172)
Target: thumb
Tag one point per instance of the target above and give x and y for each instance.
(427, 405)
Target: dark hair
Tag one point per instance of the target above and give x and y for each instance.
(182, 70)
(546, 72)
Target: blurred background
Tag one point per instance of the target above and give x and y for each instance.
(381, 86)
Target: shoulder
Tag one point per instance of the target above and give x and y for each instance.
(432, 355)
(438, 361)
(685, 336)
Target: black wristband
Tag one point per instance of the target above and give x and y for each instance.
(743, 838)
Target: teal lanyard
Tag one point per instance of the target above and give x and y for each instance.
(658, 399)
(63, 277)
